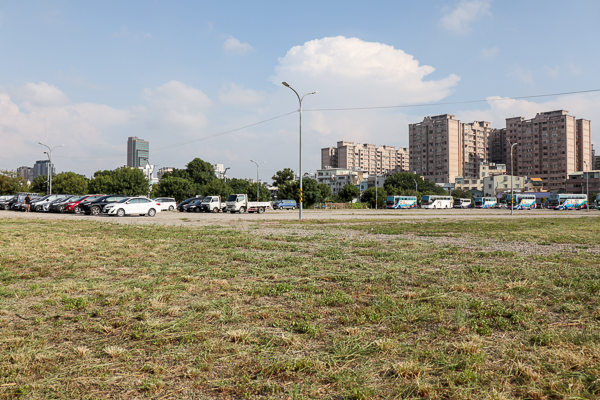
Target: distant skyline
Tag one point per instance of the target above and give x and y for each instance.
(186, 75)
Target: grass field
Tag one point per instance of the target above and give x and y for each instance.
(280, 310)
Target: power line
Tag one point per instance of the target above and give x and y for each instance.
(196, 140)
(453, 102)
(346, 109)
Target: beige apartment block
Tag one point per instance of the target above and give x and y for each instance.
(367, 157)
(442, 148)
(550, 146)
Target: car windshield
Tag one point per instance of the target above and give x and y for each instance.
(123, 200)
(206, 200)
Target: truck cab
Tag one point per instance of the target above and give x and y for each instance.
(212, 204)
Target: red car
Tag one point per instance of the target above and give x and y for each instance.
(74, 206)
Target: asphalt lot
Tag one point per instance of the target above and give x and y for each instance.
(175, 218)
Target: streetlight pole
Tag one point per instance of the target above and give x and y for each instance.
(376, 190)
(416, 187)
(300, 166)
(257, 164)
(225, 174)
(512, 191)
(587, 187)
(50, 166)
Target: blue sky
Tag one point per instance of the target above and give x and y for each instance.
(179, 73)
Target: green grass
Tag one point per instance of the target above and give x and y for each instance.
(94, 310)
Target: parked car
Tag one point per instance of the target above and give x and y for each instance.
(4, 200)
(166, 203)
(283, 204)
(133, 206)
(45, 207)
(95, 206)
(74, 205)
(37, 204)
(194, 206)
(59, 205)
(181, 205)
(17, 203)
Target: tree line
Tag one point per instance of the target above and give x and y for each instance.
(198, 178)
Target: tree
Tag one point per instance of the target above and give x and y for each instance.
(368, 196)
(130, 181)
(200, 171)
(397, 183)
(70, 182)
(291, 191)
(349, 192)
(263, 192)
(11, 183)
(239, 186)
(171, 186)
(216, 187)
(325, 191)
(40, 184)
(282, 177)
(100, 183)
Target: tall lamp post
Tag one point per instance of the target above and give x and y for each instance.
(416, 187)
(300, 166)
(587, 187)
(50, 166)
(225, 174)
(257, 165)
(512, 191)
(376, 174)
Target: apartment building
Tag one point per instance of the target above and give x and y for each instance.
(477, 184)
(337, 178)
(25, 172)
(368, 157)
(498, 146)
(551, 146)
(442, 148)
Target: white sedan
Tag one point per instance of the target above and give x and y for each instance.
(132, 206)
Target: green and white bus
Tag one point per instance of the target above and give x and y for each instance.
(434, 201)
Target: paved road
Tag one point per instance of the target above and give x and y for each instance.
(180, 219)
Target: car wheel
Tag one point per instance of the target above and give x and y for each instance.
(95, 211)
(215, 210)
(77, 210)
(197, 209)
(261, 210)
(293, 207)
(120, 212)
(151, 212)
(171, 208)
(61, 210)
(242, 210)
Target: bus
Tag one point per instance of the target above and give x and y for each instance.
(462, 203)
(433, 201)
(567, 201)
(521, 201)
(485, 202)
(401, 202)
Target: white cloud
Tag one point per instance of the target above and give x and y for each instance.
(176, 105)
(41, 94)
(522, 75)
(490, 52)
(459, 19)
(552, 72)
(237, 95)
(234, 46)
(352, 72)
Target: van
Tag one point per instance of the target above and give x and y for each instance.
(283, 204)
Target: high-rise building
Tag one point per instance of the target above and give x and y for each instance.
(25, 172)
(550, 146)
(442, 148)
(41, 168)
(138, 152)
(367, 157)
(497, 146)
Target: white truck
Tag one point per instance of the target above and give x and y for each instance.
(212, 204)
(239, 203)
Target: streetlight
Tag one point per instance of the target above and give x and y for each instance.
(300, 166)
(416, 187)
(50, 166)
(257, 164)
(587, 187)
(512, 192)
(225, 174)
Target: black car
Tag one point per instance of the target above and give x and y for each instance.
(17, 203)
(95, 206)
(59, 205)
(4, 202)
(181, 205)
(194, 206)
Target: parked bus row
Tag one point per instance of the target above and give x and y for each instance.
(560, 201)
